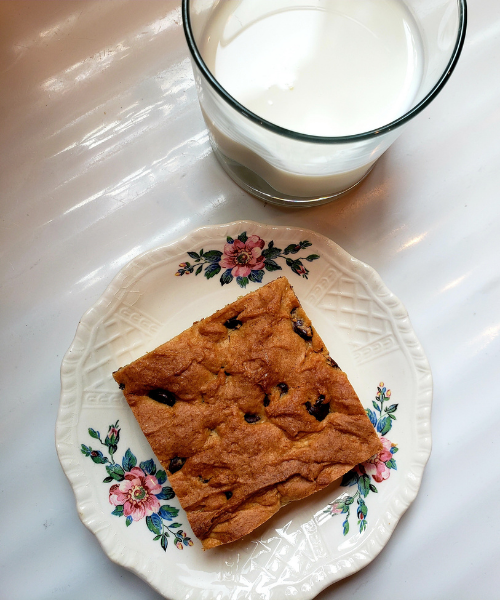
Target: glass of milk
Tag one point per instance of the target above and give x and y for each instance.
(301, 97)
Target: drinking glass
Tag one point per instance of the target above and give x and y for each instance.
(287, 167)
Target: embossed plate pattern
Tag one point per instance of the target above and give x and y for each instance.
(305, 547)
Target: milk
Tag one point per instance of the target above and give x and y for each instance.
(325, 68)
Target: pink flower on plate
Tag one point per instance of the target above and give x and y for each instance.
(336, 507)
(113, 436)
(376, 466)
(243, 257)
(136, 493)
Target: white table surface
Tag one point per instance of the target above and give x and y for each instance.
(104, 154)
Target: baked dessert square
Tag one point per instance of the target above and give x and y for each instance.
(247, 411)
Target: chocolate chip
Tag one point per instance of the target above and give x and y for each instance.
(319, 409)
(163, 396)
(228, 495)
(283, 388)
(233, 323)
(176, 464)
(266, 400)
(252, 418)
(302, 329)
(121, 386)
(203, 480)
(331, 362)
(226, 373)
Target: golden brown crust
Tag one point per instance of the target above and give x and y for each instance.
(254, 413)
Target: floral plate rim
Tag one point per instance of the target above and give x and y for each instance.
(70, 407)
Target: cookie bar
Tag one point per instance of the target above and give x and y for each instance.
(247, 411)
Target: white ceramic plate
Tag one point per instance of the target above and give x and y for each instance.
(307, 545)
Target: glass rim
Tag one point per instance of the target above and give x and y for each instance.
(304, 137)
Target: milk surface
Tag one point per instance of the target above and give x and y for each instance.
(331, 68)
